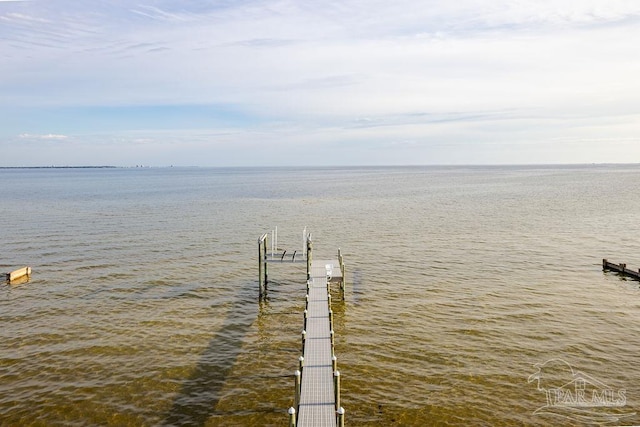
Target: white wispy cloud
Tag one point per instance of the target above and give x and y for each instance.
(49, 136)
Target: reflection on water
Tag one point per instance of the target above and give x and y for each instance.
(143, 310)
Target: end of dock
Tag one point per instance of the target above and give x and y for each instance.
(620, 268)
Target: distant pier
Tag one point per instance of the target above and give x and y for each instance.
(620, 268)
(317, 380)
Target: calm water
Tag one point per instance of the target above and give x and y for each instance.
(143, 309)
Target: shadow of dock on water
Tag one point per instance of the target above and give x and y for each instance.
(201, 392)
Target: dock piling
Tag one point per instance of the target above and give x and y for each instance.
(304, 242)
(262, 266)
(336, 387)
(340, 413)
(297, 375)
(292, 417)
(342, 276)
(309, 247)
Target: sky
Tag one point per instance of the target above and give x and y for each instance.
(306, 83)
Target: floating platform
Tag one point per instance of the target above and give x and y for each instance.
(20, 275)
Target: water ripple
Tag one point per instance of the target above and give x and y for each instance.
(143, 305)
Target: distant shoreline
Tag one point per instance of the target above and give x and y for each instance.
(409, 166)
(59, 167)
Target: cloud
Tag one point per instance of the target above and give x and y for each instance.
(49, 136)
(155, 13)
(262, 43)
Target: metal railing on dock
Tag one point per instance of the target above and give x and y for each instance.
(269, 252)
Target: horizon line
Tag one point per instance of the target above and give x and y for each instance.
(141, 166)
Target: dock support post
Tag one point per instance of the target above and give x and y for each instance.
(260, 269)
(336, 387)
(262, 266)
(298, 385)
(309, 249)
(340, 420)
(292, 417)
(264, 260)
(300, 363)
(342, 280)
(304, 242)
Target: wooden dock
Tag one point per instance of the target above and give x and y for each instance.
(620, 268)
(317, 382)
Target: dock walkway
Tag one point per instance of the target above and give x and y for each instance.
(317, 398)
(317, 392)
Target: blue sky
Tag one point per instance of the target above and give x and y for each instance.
(349, 82)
